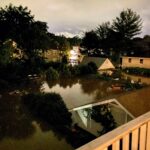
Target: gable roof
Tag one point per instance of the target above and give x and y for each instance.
(97, 60)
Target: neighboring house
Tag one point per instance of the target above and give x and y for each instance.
(74, 56)
(52, 55)
(141, 62)
(17, 53)
(101, 63)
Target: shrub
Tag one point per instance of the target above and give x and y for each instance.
(90, 68)
(93, 67)
(84, 70)
(65, 71)
(138, 71)
(52, 64)
(52, 74)
(64, 59)
(75, 71)
(117, 74)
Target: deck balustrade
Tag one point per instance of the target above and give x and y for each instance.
(135, 135)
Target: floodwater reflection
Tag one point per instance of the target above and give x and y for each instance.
(14, 122)
(135, 78)
(101, 118)
(78, 92)
(19, 130)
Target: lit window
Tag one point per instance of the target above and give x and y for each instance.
(141, 61)
(129, 60)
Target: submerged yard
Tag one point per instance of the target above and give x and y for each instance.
(20, 130)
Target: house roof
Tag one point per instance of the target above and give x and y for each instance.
(97, 60)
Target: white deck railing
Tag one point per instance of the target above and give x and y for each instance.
(135, 135)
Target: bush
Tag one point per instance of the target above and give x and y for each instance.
(85, 69)
(116, 74)
(75, 71)
(64, 59)
(52, 64)
(93, 67)
(90, 68)
(65, 71)
(138, 71)
(52, 74)
(68, 71)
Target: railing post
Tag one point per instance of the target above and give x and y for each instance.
(143, 137)
(134, 134)
(148, 136)
(126, 142)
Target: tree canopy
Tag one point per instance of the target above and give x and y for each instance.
(90, 40)
(18, 24)
(117, 36)
(128, 24)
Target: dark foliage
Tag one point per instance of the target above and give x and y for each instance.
(52, 74)
(103, 115)
(116, 37)
(138, 71)
(93, 67)
(90, 40)
(90, 68)
(49, 107)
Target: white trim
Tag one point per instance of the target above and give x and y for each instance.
(101, 103)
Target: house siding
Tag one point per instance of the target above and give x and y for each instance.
(52, 55)
(106, 65)
(140, 62)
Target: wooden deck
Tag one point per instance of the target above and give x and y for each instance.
(134, 135)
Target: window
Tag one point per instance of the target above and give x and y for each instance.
(129, 60)
(141, 61)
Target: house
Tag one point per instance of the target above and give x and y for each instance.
(53, 55)
(74, 56)
(15, 52)
(141, 62)
(101, 63)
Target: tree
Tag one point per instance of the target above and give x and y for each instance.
(64, 44)
(103, 30)
(75, 41)
(90, 40)
(6, 52)
(38, 40)
(18, 24)
(14, 20)
(52, 74)
(128, 24)
(104, 33)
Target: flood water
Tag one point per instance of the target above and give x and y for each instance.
(79, 92)
(89, 117)
(144, 80)
(19, 130)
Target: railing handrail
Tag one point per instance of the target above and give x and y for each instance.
(118, 133)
